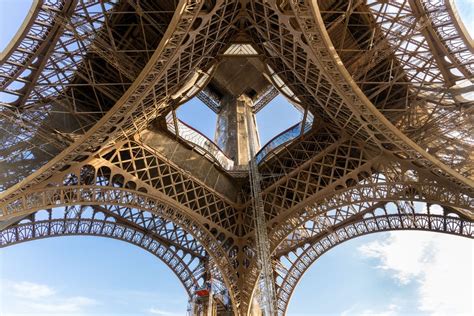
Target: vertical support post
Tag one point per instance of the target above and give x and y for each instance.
(232, 132)
(210, 302)
(303, 121)
(266, 283)
(175, 123)
(202, 303)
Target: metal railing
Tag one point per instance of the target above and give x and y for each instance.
(199, 142)
(209, 149)
(284, 137)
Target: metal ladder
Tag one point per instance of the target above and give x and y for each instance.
(266, 284)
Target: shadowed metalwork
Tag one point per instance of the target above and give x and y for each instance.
(90, 143)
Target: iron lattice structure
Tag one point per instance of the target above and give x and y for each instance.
(85, 149)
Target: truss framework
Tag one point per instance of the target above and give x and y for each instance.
(388, 83)
(177, 249)
(314, 238)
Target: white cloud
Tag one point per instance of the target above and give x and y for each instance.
(390, 310)
(29, 290)
(441, 266)
(404, 262)
(28, 298)
(156, 311)
(65, 305)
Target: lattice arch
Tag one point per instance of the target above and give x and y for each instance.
(118, 195)
(376, 182)
(163, 239)
(306, 244)
(351, 203)
(319, 65)
(391, 182)
(386, 82)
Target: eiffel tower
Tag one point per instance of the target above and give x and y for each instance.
(91, 144)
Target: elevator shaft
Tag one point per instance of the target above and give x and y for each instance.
(267, 293)
(232, 132)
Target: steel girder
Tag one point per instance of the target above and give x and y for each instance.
(391, 122)
(298, 196)
(303, 50)
(100, 184)
(328, 230)
(190, 33)
(162, 238)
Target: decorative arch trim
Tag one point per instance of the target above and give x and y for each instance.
(58, 196)
(367, 225)
(363, 195)
(35, 230)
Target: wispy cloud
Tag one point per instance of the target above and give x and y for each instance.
(400, 254)
(390, 310)
(63, 305)
(157, 311)
(29, 290)
(437, 264)
(32, 298)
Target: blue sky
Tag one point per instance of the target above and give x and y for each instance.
(405, 273)
(273, 119)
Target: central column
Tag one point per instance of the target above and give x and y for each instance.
(232, 131)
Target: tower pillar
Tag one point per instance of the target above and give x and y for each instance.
(232, 130)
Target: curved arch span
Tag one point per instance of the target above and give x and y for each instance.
(347, 104)
(289, 276)
(96, 195)
(34, 230)
(459, 24)
(160, 71)
(365, 195)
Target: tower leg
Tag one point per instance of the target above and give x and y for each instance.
(232, 132)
